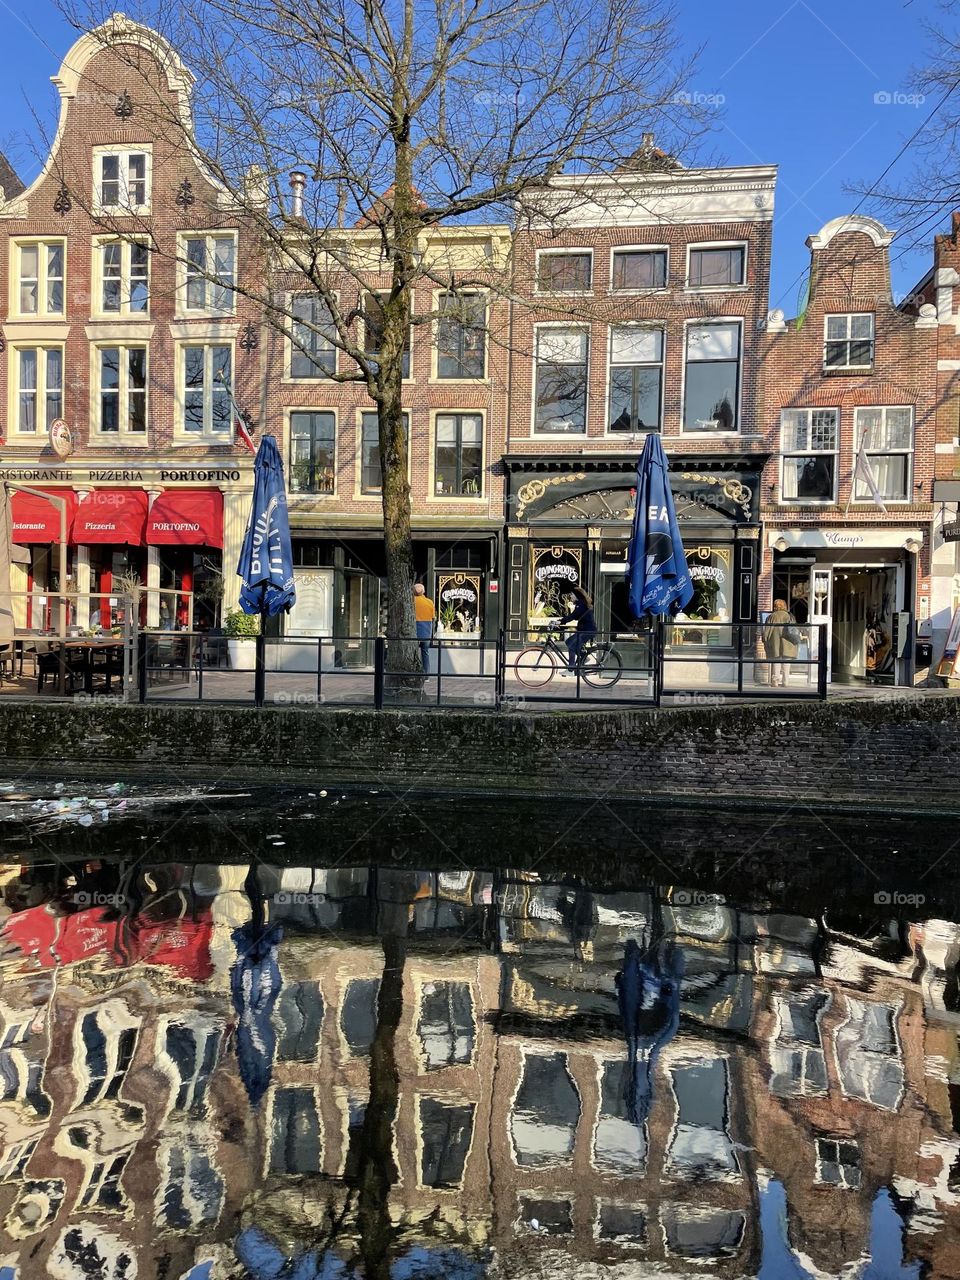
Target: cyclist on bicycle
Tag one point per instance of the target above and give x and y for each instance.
(586, 624)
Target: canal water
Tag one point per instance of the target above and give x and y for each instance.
(293, 1035)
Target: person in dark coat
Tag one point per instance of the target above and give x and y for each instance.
(582, 616)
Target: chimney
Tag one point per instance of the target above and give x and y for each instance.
(647, 142)
(298, 181)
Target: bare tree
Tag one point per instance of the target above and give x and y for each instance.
(404, 115)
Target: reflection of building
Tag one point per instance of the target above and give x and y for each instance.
(524, 1123)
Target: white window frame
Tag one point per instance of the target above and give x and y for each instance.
(124, 434)
(125, 311)
(39, 243)
(123, 153)
(718, 288)
(40, 391)
(560, 435)
(700, 322)
(437, 414)
(208, 309)
(568, 252)
(849, 316)
(289, 413)
(207, 435)
(621, 435)
(640, 248)
(873, 452)
(843, 1184)
(292, 350)
(810, 452)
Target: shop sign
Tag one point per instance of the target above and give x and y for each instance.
(951, 532)
(157, 472)
(844, 539)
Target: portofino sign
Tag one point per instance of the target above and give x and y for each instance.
(148, 472)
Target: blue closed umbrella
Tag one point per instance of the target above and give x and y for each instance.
(266, 558)
(255, 982)
(649, 998)
(656, 565)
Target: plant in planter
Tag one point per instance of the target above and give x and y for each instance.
(447, 617)
(241, 630)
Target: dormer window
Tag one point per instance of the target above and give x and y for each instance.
(848, 341)
(122, 181)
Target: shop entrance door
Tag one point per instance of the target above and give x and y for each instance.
(361, 616)
(864, 602)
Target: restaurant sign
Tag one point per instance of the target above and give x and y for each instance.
(148, 473)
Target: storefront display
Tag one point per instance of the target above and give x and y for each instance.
(459, 603)
(554, 572)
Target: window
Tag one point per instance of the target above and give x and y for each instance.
(838, 1163)
(619, 1143)
(639, 269)
(809, 446)
(446, 1129)
(561, 382)
(887, 435)
(797, 1066)
(122, 181)
(700, 1146)
(446, 1024)
(358, 1014)
(122, 390)
(371, 478)
(712, 377)
(312, 353)
(461, 336)
(545, 1112)
(40, 274)
(210, 272)
(565, 272)
(294, 1132)
(312, 452)
(718, 267)
(636, 375)
(39, 387)
(458, 461)
(373, 331)
(124, 278)
(869, 1059)
(206, 370)
(848, 341)
(299, 1014)
(107, 1055)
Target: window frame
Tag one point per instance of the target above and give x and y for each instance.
(820, 1140)
(639, 249)
(19, 243)
(292, 351)
(482, 296)
(376, 494)
(707, 246)
(849, 316)
(661, 365)
(124, 433)
(700, 322)
(40, 390)
(185, 312)
(125, 311)
(785, 454)
(406, 374)
(586, 330)
(872, 453)
(584, 251)
(123, 153)
(207, 435)
(311, 412)
(458, 414)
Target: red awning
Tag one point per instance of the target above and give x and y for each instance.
(111, 515)
(186, 518)
(36, 520)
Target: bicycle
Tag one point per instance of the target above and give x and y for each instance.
(598, 663)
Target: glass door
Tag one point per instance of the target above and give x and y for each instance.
(360, 616)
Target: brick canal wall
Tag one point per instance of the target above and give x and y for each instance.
(896, 751)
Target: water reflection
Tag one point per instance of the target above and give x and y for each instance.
(210, 1073)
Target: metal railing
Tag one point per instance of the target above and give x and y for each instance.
(69, 652)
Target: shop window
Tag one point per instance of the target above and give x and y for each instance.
(565, 272)
(554, 572)
(124, 278)
(313, 452)
(371, 477)
(637, 269)
(312, 352)
(712, 377)
(809, 443)
(561, 381)
(373, 331)
(446, 1129)
(294, 1132)
(459, 602)
(710, 573)
(458, 462)
(547, 1217)
(122, 183)
(122, 390)
(446, 1024)
(40, 275)
(461, 336)
(209, 273)
(545, 1112)
(39, 387)
(717, 267)
(838, 1163)
(848, 341)
(205, 408)
(636, 377)
(886, 434)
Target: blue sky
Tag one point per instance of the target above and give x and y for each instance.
(798, 79)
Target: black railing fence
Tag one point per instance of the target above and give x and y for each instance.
(662, 664)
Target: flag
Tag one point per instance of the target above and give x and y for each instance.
(863, 470)
(243, 434)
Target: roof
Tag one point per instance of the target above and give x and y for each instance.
(12, 186)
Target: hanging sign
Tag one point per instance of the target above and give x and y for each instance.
(951, 532)
(61, 438)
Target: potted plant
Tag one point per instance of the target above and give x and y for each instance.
(241, 630)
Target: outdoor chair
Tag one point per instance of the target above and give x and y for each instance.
(48, 664)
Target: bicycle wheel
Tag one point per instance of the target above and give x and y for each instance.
(535, 666)
(601, 667)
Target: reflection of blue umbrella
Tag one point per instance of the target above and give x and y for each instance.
(266, 558)
(255, 983)
(264, 1259)
(649, 1001)
(656, 565)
